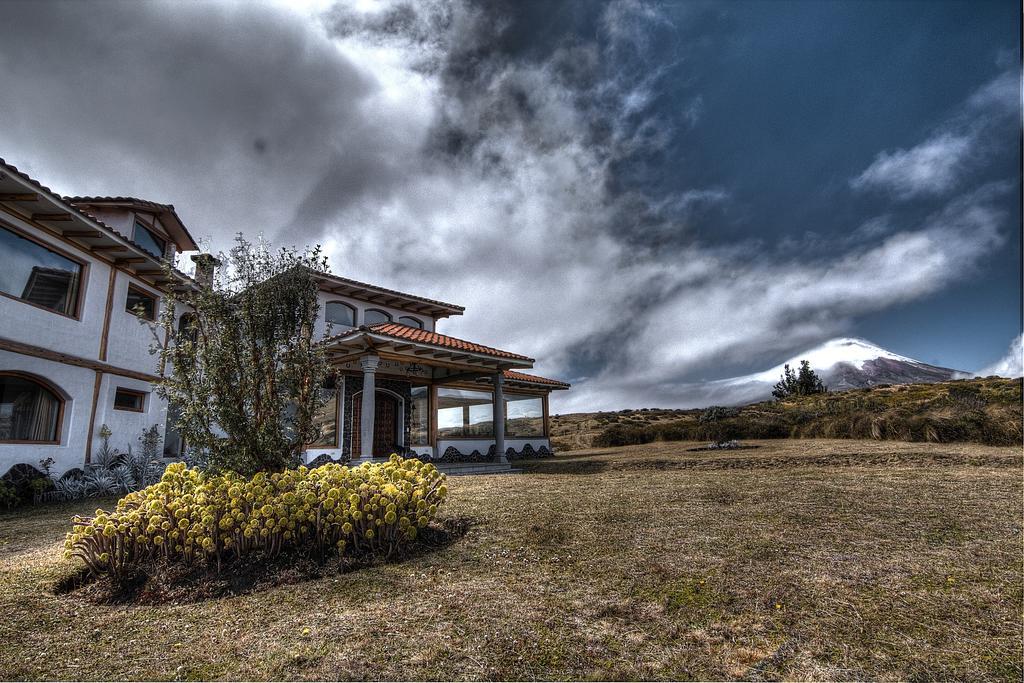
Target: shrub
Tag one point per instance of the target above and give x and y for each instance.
(191, 516)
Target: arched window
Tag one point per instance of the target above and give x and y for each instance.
(372, 316)
(409, 321)
(188, 326)
(339, 313)
(30, 410)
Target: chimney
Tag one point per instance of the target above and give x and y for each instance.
(206, 265)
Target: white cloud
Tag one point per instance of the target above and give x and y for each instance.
(937, 165)
(1010, 365)
(930, 168)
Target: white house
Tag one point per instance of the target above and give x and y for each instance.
(73, 356)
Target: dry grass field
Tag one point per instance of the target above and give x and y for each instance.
(808, 559)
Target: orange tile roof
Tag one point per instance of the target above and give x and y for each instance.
(414, 334)
(534, 379)
(424, 337)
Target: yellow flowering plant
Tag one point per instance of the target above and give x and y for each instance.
(191, 516)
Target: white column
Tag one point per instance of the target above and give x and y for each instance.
(369, 364)
(499, 417)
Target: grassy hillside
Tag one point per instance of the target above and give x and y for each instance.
(986, 410)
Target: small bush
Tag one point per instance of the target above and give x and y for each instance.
(191, 517)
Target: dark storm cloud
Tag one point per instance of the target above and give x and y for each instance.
(221, 110)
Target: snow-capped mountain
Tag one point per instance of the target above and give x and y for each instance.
(851, 363)
(844, 363)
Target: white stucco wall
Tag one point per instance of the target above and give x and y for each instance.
(467, 446)
(127, 426)
(130, 340)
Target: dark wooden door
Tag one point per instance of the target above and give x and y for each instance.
(385, 426)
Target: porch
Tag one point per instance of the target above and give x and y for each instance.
(397, 389)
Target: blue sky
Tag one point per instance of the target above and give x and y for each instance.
(640, 195)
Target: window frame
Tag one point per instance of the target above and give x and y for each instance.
(141, 395)
(390, 318)
(338, 389)
(83, 274)
(153, 234)
(139, 290)
(520, 395)
(436, 419)
(355, 313)
(419, 326)
(61, 404)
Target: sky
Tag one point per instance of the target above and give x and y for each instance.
(642, 196)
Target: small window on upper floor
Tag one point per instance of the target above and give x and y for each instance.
(142, 304)
(129, 399)
(409, 321)
(372, 316)
(148, 240)
(338, 313)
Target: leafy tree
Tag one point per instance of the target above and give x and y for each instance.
(802, 383)
(243, 366)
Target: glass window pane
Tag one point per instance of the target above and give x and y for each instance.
(411, 322)
(524, 416)
(419, 417)
(372, 316)
(140, 303)
(462, 413)
(28, 410)
(34, 273)
(338, 313)
(125, 399)
(326, 418)
(145, 238)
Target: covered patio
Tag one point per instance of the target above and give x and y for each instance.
(407, 390)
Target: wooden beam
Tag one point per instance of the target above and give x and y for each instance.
(68, 359)
(107, 247)
(51, 216)
(19, 197)
(458, 377)
(133, 259)
(83, 233)
(92, 416)
(404, 347)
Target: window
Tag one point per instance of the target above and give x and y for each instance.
(326, 417)
(188, 327)
(464, 414)
(147, 239)
(33, 273)
(140, 303)
(419, 417)
(29, 410)
(371, 316)
(411, 322)
(129, 399)
(524, 416)
(338, 313)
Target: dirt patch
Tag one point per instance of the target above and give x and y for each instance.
(161, 583)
